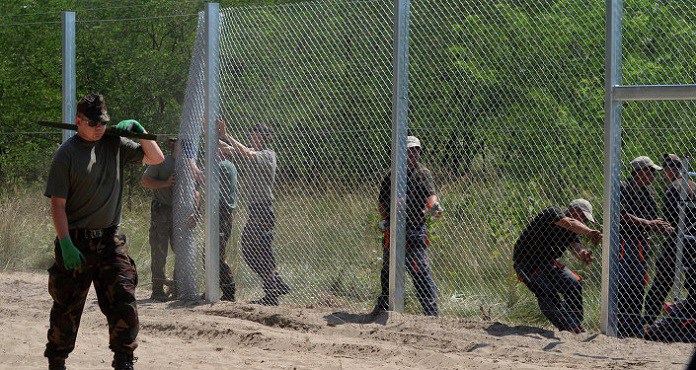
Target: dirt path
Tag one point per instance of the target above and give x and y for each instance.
(243, 336)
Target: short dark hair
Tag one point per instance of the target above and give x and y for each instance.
(263, 130)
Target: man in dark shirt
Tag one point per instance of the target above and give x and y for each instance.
(638, 216)
(536, 261)
(421, 201)
(85, 184)
(666, 263)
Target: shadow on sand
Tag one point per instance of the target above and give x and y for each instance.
(340, 318)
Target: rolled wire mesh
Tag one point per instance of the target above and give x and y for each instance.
(188, 235)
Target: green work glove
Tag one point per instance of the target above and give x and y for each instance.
(72, 257)
(130, 125)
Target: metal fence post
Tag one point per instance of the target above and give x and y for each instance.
(68, 49)
(612, 165)
(212, 236)
(397, 213)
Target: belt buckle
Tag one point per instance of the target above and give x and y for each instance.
(96, 233)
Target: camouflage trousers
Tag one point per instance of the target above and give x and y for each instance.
(114, 276)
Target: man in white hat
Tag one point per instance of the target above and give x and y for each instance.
(537, 261)
(421, 202)
(639, 215)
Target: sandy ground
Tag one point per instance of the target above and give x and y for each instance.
(243, 336)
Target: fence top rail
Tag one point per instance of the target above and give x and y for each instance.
(654, 92)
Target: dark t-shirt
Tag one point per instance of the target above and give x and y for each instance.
(419, 186)
(162, 172)
(637, 201)
(671, 205)
(542, 240)
(89, 176)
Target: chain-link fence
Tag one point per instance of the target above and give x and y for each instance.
(655, 259)
(504, 135)
(506, 100)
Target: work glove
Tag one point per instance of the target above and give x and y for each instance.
(130, 125)
(434, 209)
(72, 257)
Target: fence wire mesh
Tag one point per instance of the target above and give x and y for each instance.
(656, 264)
(507, 130)
(655, 261)
(507, 101)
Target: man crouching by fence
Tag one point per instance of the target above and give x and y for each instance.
(536, 261)
(85, 184)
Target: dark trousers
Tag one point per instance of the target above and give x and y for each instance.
(632, 277)
(558, 291)
(226, 278)
(665, 270)
(161, 235)
(114, 276)
(257, 246)
(418, 266)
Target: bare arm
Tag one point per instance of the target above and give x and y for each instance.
(60, 218)
(153, 153)
(578, 227)
(236, 148)
(657, 225)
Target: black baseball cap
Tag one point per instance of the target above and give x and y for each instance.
(93, 107)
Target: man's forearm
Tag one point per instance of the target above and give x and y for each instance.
(60, 219)
(575, 226)
(632, 220)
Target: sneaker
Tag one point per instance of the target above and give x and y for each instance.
(123, 361)
(266, 301)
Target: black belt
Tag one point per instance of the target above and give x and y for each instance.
(93, 233)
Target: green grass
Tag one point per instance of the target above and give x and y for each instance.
(328, 248)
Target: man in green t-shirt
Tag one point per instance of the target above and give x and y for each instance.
(227, 181)
(161, 179)
(226, 173)
(85, 185)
